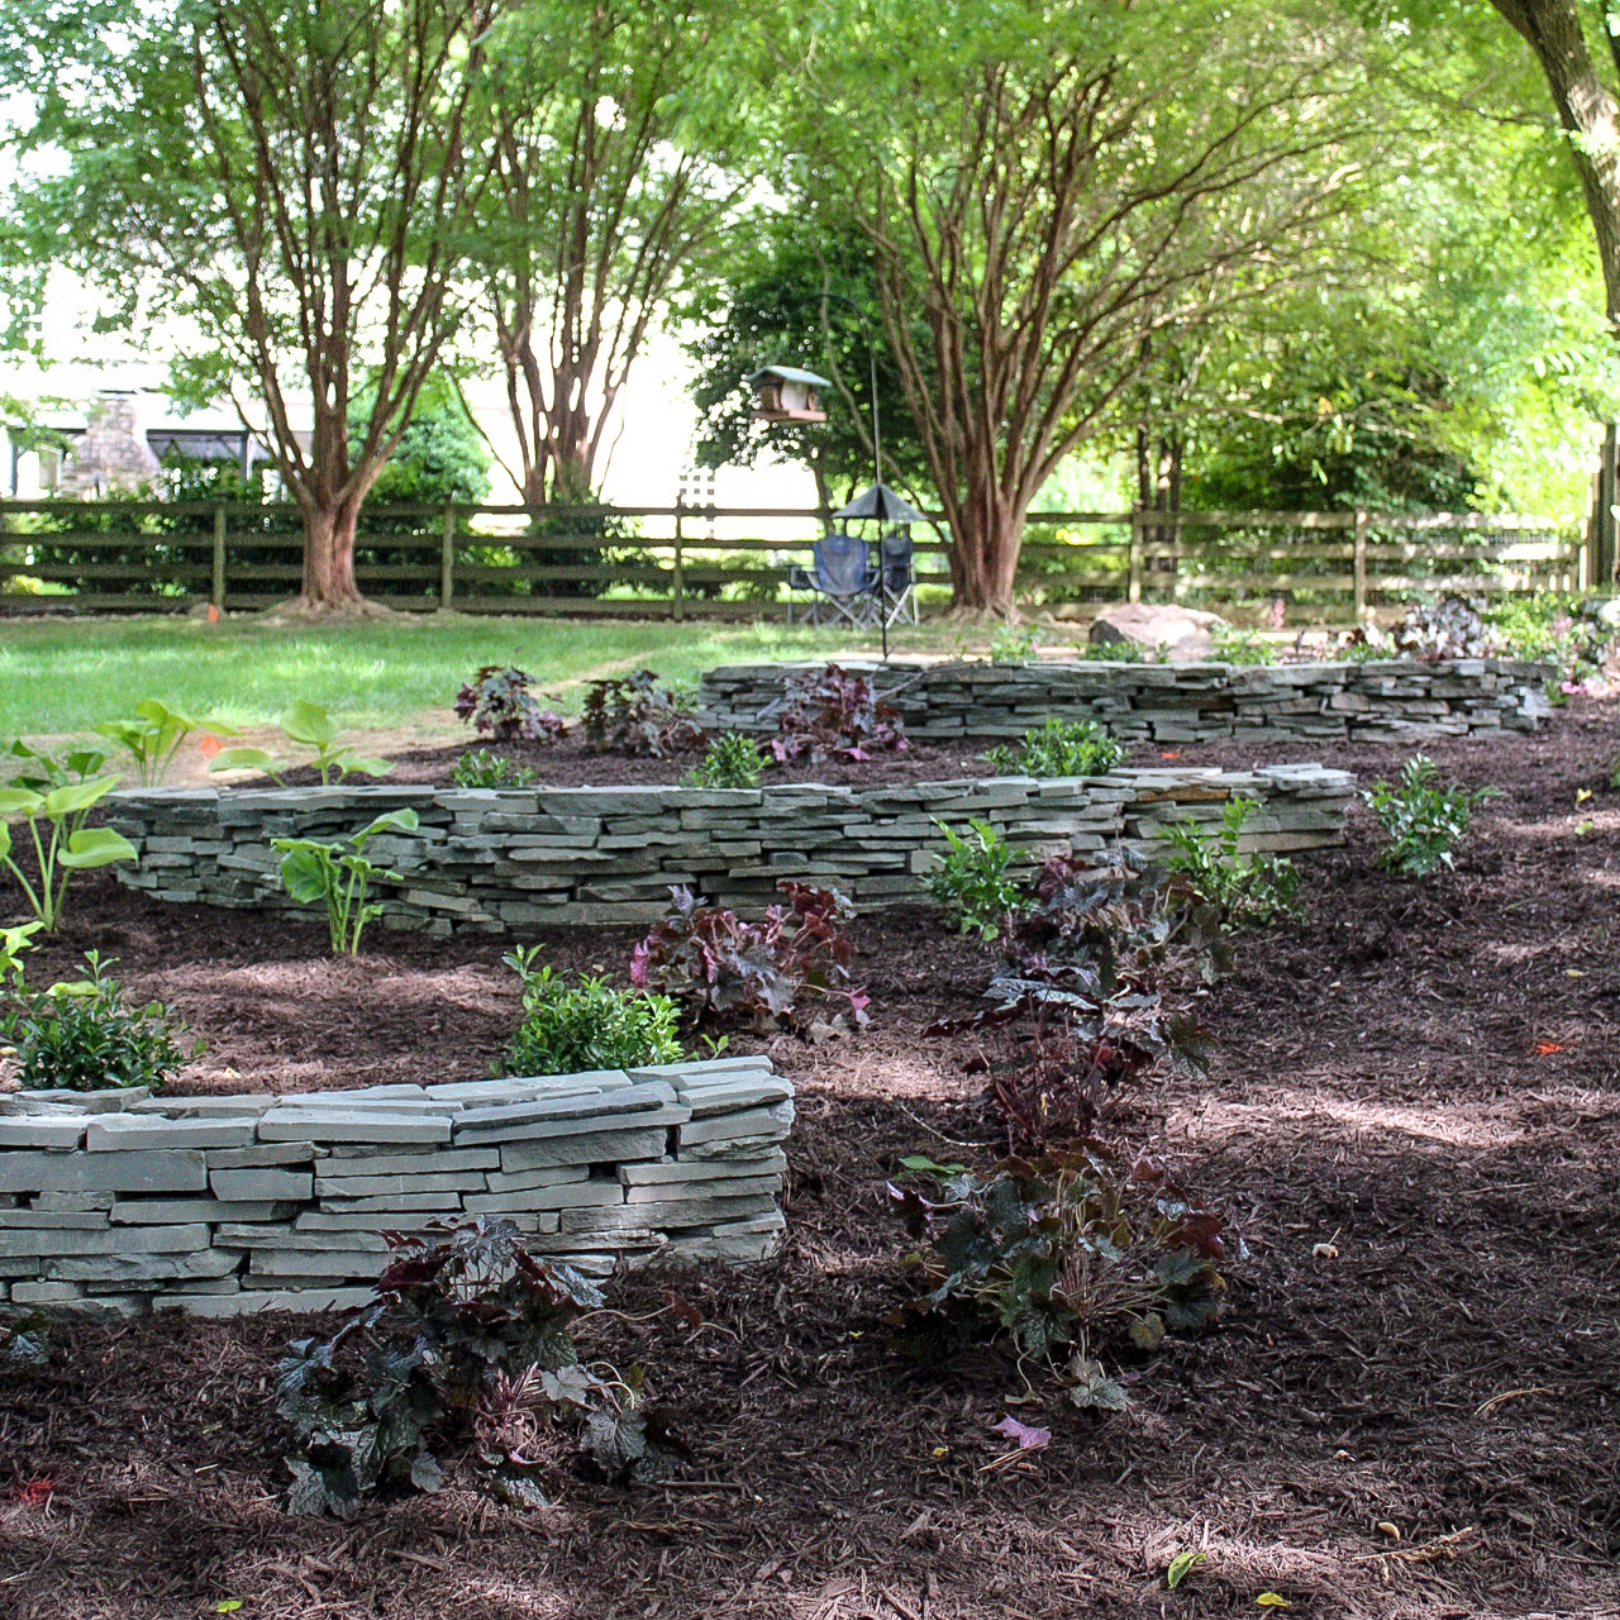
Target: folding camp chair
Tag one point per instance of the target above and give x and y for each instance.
(897, 582)
(840, 577)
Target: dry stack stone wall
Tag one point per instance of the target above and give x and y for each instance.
(1170, 703)
(506, 861)
(118, 1201)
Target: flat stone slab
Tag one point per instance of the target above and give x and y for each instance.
(257, 1185)
(351, 1125)
(123, 1132)
(149, 1170)
(43, 1130)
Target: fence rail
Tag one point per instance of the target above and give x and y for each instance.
(672, 561)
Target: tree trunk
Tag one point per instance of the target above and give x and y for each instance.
(1590, 112)
(329, 556)
(988, 533)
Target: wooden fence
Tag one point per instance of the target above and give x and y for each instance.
(133, 556)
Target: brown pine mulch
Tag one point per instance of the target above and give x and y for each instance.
(1421, 1077)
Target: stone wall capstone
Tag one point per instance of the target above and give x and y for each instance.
(1168, 703)
(502, 861)
(119, 1201)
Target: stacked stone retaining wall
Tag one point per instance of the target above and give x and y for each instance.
(506, 861)
(1169, 703)
(117, 1201)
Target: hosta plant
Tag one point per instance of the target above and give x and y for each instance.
(338, 878)
(1012, 644)
(465, 1354)
(1073, 1256)
(732, 760)
(1060, 748)
(308, 726)
(498, 702)
(154, 733)
(765, 974)
(55, 816)
(86, 1034)
(569, 1029)
(484, 768)
(1423, 819)
(828, 711)
(634, 715)
(973, 882)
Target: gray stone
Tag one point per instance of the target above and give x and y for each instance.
(126, 1269)
(125, 1240)
(655, 1217)
(351, 1125)
(42, 1131)
(254, 1186)
(54, 1220)
(677, 1171)
(71, 1201)
(440, 1203)
(156, 1170)
(523, 1180)
(124, 1132)
(159, 1211)
(720, 1187)
(349, 1160)
(330, 1186)
(593, 1147)
(353, 1262)
(570, 1195)
(749, 1122)
(266, 1153)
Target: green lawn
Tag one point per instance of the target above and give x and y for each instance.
(61, 677)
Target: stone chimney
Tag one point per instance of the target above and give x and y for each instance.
(111, 453)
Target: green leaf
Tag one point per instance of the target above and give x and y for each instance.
(227, 1606)
(367, 766)
(97, 846)
(1180, 1567)
(394, 820)
(242, 759)
(1148, 1334)
(306, 872)
(77, 796)
(919, 1163)
(15, 800)
(308, 723)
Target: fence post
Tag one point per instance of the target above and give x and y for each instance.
(218, 596)
(1361, 565)
(1133, 591)
(447, 558)
(677, 604)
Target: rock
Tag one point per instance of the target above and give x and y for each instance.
(1187, 632)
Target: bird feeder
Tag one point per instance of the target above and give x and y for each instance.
(787, 394)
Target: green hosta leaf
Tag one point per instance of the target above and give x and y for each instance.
(308, 723)
(920, 1163)
(97, 846)
(243, 759)
(77, 796)
(366, 766)
(393, 821)
(20, 801)
(1181, 1566)
(307, 873)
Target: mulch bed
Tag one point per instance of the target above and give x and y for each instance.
(1421, 1077)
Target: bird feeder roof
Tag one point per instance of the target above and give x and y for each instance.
(791, 374)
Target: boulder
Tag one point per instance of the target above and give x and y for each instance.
(1186, 632)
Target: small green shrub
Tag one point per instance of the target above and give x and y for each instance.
(84, 1035)
(1248, 891)
(467, 1346)
(567, 1029)
(1060, 748)
(1113, 652)
(153, 735)
(309, 726)
(1070, 1254)
(1423, 820)
(340, 878)
(973, 882)
(484, 768)
(1233, 645)
(732, 760)
(60, 793)
(1012, 644)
